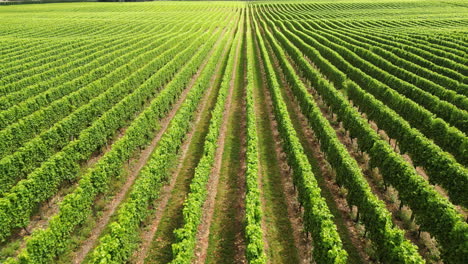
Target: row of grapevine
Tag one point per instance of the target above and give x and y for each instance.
(425, 58)
(408, 79)
(20, 86)
(318, 219)
(452, 46)
(38, 60)
(448, 138)
(118, 245)
(26, 159)
(42, 47)
(17, 50)
(440, 166)
(17, 205)
(433, 212)
(456, 50)
(30, 85)
(253, 209)
(81, 98)
(445, 77)
(442, 58)
(33, 52)
(54, 111)
(17, 70)
(185, 236)
(55, 75)
(389, 240)
(360, 70)
(44, 245)
(40, 99)
(80, 77)
(408, 50)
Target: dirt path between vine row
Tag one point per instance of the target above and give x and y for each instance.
(227, 229)
(135, 169)
(353, 243)
(203, 232)
(330, 190)
(294, 212)
(148, 234)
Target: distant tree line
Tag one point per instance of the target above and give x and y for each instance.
(15, 2)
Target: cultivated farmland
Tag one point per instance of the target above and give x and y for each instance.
(234, 132)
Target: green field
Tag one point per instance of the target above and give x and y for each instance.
(234, 132)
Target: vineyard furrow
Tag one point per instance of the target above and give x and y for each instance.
(186, 237)
(62, 134)
(372, 210)
(254, 132)
(317, 217)
(158, 171)
(162, 203)
(81, 148)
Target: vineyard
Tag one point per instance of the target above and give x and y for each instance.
(234, 132)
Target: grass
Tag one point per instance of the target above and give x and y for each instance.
(225, 227)
(278, 233)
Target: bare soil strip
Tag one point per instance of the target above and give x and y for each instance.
(208, 208)
(148, 233)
